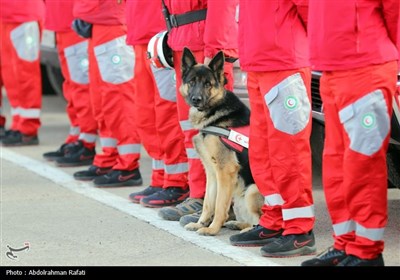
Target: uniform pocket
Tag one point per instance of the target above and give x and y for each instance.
(166, 82)
(116, 61)
(288, 104)
(26, 40)
(367, 123)
(78, 62)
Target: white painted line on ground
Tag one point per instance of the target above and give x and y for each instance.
(149, 215)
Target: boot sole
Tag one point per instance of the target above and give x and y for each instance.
(252, 243)
(128, 183)
(75, 164)
(84, 178)
(169, 217)
(305, 251)
(158, 205)
(52, 158)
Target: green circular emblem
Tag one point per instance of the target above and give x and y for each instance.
(368, 120)
(291, 102)
(116, 59)
(29, 40)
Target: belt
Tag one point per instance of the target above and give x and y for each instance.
(186, 18)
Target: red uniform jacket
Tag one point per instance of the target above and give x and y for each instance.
(104, 12)
(365, 34)
(272, 35)
(218, 32)
(59, 15)
(21, 11)
(144, 19)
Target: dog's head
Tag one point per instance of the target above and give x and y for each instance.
(202, 85)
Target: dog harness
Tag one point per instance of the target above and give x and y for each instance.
(235, 139)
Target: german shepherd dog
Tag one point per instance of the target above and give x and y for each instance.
(229, 178)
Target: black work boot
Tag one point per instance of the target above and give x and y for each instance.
(93, 172)
(257, 236)
(119, 178)
(78, 156)
(330, 257)
(356, 261)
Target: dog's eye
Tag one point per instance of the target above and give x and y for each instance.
(207, 84)
(192, 83)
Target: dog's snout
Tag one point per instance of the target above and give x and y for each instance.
(196, 99)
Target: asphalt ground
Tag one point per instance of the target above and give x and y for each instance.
(69, 223)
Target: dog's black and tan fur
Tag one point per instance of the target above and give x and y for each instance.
(227, 178)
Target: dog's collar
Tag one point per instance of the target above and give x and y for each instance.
(236, 135)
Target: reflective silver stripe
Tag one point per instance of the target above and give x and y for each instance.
(344, 227)
(108, 142)
(157, 164)
(186, 125)
(273, 200)
(299, 212)
(374, 234)
(191, 153)
(177, 168)
(87, 137)
(129, 149)
(74, 130)
(14, 111)
(29, 113)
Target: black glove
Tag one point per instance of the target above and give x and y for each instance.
(82, 28)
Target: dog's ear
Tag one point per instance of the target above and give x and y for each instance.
(217, 65)
(188, 60)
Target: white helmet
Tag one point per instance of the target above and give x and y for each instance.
(158, 51)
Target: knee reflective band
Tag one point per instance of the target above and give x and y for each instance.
(158, 51)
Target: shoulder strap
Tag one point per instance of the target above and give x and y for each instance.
(216, 130)
(230, 134)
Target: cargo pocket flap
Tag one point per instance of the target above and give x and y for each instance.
(271, 95)
(69, 51)
(100, 49)
(346, 113)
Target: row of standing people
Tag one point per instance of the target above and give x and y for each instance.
(277, 42)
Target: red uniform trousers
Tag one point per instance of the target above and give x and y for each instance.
(111, 66)
(197, 177)
(21, 74)
(2, 118)
(279, 148)
(158, 124)
(358, 109)
(73, 55)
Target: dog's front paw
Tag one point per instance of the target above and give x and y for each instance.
(193, 226)
(208, 231)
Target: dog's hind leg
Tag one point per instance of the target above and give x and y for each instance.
(254, 202)
(247, 207)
